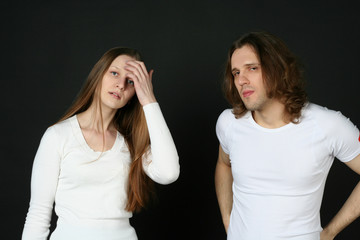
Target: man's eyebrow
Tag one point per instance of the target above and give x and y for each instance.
(251, 64)
(246, 65)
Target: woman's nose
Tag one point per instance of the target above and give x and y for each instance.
(121, 84)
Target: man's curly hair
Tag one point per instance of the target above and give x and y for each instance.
(282, 74)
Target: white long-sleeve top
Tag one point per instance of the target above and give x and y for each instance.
(88, 187)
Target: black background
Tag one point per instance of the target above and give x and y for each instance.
(49, 47)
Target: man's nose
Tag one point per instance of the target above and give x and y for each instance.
(242, 79)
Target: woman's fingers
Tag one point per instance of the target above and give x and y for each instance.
(150, 74)
(142, 81)
(138, 68)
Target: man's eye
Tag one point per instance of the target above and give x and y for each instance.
(129, 81)
(114, 73)
(236, 73)
(253, 68)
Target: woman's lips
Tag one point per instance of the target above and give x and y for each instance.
(115, 95)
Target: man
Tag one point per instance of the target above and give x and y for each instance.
(276, 149)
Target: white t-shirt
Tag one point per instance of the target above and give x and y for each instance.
(88, 187)
(279, 174)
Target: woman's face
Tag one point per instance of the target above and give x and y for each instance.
(117, 88)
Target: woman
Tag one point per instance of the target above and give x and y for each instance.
(97, 163)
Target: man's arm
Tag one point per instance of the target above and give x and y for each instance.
(349, 211)
(223, 185)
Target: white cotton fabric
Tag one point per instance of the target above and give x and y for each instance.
(88, 187)
(279, 174)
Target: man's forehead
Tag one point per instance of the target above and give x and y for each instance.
(244, 55)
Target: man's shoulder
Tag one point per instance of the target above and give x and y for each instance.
(225, 119)
(226, 113)
(323, 117)
(229, 114)
(318, 112)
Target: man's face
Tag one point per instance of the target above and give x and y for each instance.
(246, 70)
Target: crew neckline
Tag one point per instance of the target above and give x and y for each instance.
(279, 129)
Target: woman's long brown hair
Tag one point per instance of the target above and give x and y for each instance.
(129, 121)
(283, 75)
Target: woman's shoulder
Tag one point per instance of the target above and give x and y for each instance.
(62, 128)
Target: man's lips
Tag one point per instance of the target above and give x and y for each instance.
(247, 93)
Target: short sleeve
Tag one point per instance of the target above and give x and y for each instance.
(342, 135)
(222, 125)
(346, 145)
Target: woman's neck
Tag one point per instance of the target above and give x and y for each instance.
(96, 120)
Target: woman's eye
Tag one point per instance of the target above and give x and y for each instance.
(114, 73)
(129, 81)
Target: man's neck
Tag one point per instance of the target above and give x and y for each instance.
(271, 116)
